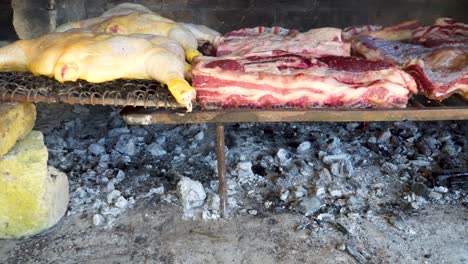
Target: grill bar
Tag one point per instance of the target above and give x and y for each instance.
(163, 109)
(136, 116)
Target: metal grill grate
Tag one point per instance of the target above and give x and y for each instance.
(419, 108)
(25, 87)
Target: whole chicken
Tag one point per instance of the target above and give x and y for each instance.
(153, 24)
(97, 57)
(119, 19)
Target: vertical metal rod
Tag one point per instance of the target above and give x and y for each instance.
(221, 158)
(52, 9)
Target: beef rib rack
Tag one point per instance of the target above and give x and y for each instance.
(275, 67)
(293, 81)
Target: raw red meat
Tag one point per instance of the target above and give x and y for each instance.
(437, 56)
(444, 32)
(439, 84)
(439, 71)
(402, 31)
(261, 40)
(292, 80)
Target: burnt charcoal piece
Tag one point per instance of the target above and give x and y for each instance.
(259, 170)
(454, 179)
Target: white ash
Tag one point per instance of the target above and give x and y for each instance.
(283, 157)
(309, 205)
(113, 196)
(245, 174)
(200, 136)
(98, 220)
(96, 149)
(271, 167)
(152, 192)
(192, 196)
(304, 147)
(156, 150)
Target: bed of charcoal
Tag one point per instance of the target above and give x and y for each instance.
(333, 175)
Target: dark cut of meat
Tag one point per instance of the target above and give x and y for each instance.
(314, 43)
(439, 71)
(439, 84)
(436, 56)
(327, 81)
(398, 32)
(445, 32)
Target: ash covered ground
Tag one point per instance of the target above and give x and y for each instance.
(343, 192)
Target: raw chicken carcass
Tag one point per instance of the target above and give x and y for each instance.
(202, 33)
(98, 58)
(128, 18)
(126, 9)
(142, 24)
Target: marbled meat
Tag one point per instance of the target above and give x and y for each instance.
(290, 80)
(436, 56)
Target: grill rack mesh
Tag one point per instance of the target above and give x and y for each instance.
(26, 87)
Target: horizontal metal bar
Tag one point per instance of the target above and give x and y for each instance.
(139, 116)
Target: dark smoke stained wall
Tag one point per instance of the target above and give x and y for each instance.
(7, 31)
(300, 14)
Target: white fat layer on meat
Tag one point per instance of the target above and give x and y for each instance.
(440, 78)
(459, 87)
(321, 90)
(345, 94)
(320, 77)
(321, 41)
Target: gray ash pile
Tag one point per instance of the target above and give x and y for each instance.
(333, 173)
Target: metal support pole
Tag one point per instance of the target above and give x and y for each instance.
(221, 158)
(52, 9)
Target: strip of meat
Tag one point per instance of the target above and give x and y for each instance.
(398, 32)
(439, 71)
(327, 81)
(436, 56)
(444, 32)
(439, 84)
(394, 52)
(314, 43)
